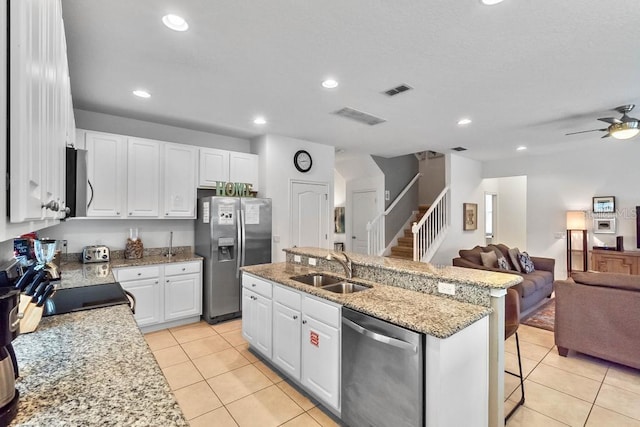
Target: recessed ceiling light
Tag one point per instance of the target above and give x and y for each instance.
(463, 122)
(491, 2)
(330, 84)
(259, 121)
(142, 93)
(175, 22)
(521, 148)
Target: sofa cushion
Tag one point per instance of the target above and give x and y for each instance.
(540, 278)
(489, 259)
(471, 255)
(513, 257)
(503, 264)
(608, 280)
(526, 263)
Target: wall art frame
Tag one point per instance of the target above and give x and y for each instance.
(470, 216)
(604, 204)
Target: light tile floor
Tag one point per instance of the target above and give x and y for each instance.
(218, 382)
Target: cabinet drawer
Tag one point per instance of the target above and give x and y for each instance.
(324, 312)
(259, 286)
(181, 268)
(287, 297)
(135, 273)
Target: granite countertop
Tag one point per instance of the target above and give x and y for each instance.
(429, 314)
(91, 368)
(468, 276)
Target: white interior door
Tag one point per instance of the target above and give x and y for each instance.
(364, 210)
(309, 214)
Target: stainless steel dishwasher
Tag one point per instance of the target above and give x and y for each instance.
(382, 373)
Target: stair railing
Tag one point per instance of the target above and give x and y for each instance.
(429, 232)
(375, 227)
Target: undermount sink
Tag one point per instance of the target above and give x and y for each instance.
(345, 288)
(329, 283)
(317, 280)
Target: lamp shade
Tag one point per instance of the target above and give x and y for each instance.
(576, 220)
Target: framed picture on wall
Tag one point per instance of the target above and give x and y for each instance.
(604, 225)
(470, 216)
(605, 204)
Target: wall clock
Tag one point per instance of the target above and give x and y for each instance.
(302, 161)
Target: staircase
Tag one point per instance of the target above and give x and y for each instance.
(404, 248)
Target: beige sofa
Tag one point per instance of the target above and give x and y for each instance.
(535, 286)
(599, 314)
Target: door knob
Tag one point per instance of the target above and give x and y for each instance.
(353, 237)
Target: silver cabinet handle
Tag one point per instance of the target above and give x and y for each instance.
(130, 213)
(167, 280)
(379, 337)
(184, 269)
(139, 274)
(117, 213)
(156, 282)
(253, 285)
(295, 317)
(304, 322)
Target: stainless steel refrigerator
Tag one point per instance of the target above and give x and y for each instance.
(230, 232)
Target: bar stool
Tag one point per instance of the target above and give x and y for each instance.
(511, 324)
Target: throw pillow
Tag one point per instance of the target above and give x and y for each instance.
(503, 264)
(489, 259)
(513, 254)
(526, 263)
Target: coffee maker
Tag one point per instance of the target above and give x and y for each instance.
(9, 329)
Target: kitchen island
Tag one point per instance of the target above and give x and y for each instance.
(91, 368)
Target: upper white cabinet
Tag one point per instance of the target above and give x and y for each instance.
(227, 166)
(214, 167)
(143, 178)
(39, 101)
(179, 181)
(106, 171)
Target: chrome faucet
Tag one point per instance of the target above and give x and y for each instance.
(346, 264)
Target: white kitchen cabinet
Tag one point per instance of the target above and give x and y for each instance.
(243, 167)
(321, 350)
(257, 313)
(38, 99)
(179, 180)
(143, 177)
(214, 167)
(166, 295)
(106, 172)
(286, 339)
(182, 291)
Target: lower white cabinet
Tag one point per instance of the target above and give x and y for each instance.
(257, 313)
(164, 293)
(286, 340)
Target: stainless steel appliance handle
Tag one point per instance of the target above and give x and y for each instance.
(91, 199)
(239, 245)
(380, 337)
(244, 239)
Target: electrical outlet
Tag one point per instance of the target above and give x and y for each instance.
(297, 258)
(559, 235)
(387, 195)
(312, 261)
(446, 288)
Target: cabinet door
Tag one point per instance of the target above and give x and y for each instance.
(263, 321)
(286, 340)
(248, 316)
(182, 296)
(143, 177)
(106, 172)
(243, 167)
(320, 360)
(179, 180)
(148, 300)
(214, 167)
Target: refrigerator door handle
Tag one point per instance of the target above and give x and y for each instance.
(244, 239)
(239, 244)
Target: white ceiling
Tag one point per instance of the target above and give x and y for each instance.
(526, 72)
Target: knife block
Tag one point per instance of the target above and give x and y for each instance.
(31, 314)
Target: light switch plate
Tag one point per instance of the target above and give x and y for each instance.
(387, 195)
(446, 288)
(312, 261)
(559, 235)
(297, 258)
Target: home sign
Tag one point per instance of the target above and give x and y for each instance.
(234, 189)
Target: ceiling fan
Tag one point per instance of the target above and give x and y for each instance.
(623, 128)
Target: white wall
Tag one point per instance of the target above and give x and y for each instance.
(567, 181)
(464, 177)
(90, 120)
(276, 173)
(511, 210)
(113, 232)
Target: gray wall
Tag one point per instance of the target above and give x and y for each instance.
(398, 172)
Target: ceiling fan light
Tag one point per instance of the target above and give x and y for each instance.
(624, 130)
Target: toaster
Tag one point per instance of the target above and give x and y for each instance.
(95, 254)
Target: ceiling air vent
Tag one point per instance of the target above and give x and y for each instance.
(459, 149)
(359, 116)
(396, 90)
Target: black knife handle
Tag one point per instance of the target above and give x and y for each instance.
(47, 293)
(25, 279)
(42, 287)
(35, 282)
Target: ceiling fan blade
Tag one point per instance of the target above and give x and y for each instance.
(607, 135)
(610, 120)
(585, 131)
